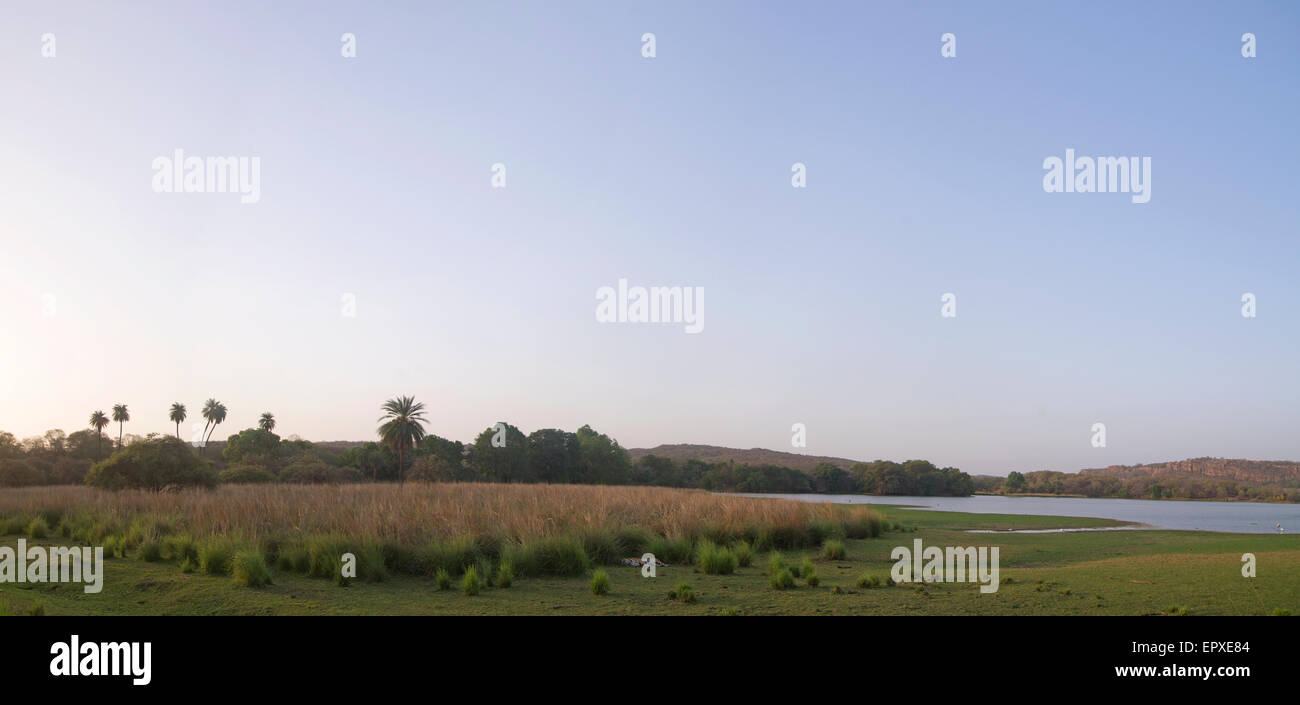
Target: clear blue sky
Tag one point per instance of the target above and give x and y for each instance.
(822, 304)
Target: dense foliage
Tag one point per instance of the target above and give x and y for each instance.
(1138, 486)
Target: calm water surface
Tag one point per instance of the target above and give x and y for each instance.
(1234, 517)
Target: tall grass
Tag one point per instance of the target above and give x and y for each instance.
(425, 529)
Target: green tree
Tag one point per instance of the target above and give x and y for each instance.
(552, 455)
(177, 416)
(500, 454)
(98, 421)
(403, 427)
(601, 460)
(1015, 483)
(121, 416)
(254, 445)
(267, 422)
(152, 464)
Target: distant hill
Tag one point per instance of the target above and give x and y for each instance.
(1278, 473)
(754, 456)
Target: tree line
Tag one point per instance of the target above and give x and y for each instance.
(1051, 482)
(405, 451)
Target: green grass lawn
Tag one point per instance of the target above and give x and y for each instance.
(1106, 572)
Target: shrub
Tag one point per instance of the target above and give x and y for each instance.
(1178, 611)
(250, 570)
(189, 565)
(833, 550)
(245, 475)
(486, 574)
(744, 554)
(600, 582)
(443, 579)
(505, 574)
(715, 560)
(214, 558)
(685, 593)
(152, 464)
(310, 470)
(38, 529)
(1281, 612)
(471, 583)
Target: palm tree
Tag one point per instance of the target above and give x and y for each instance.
(215, 412)
(177, 415)
(267, 423)
(98, 421)
(403, 427)
(121, 416)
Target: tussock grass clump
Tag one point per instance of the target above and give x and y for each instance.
(443, 579)
(780, 577)
(453, 555)
(179, 547)
(250, 569)
(600, 582)
(16, 524)
(600, 546)
(833, 550)
(38, 528)
(679, 550)
(1177, 611)
(864, 526)
(505, 574)
(215, 558)
(867, 580)
(715, 560)
(633, 540)
(471, 584)
(1281, 612)
(809, 572)
(683, 593)
(150, 551)
(486, 574)
(559, 555)
(744, 554)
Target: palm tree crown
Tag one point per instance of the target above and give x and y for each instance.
(403, 427)
(177, 415)
(98, 421)
(121, 416)
(215, 412)
(267, 422)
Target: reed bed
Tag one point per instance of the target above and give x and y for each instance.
(420, 527)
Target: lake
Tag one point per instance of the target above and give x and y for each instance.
(1233, 517)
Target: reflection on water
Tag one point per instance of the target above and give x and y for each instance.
(1234, 517)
